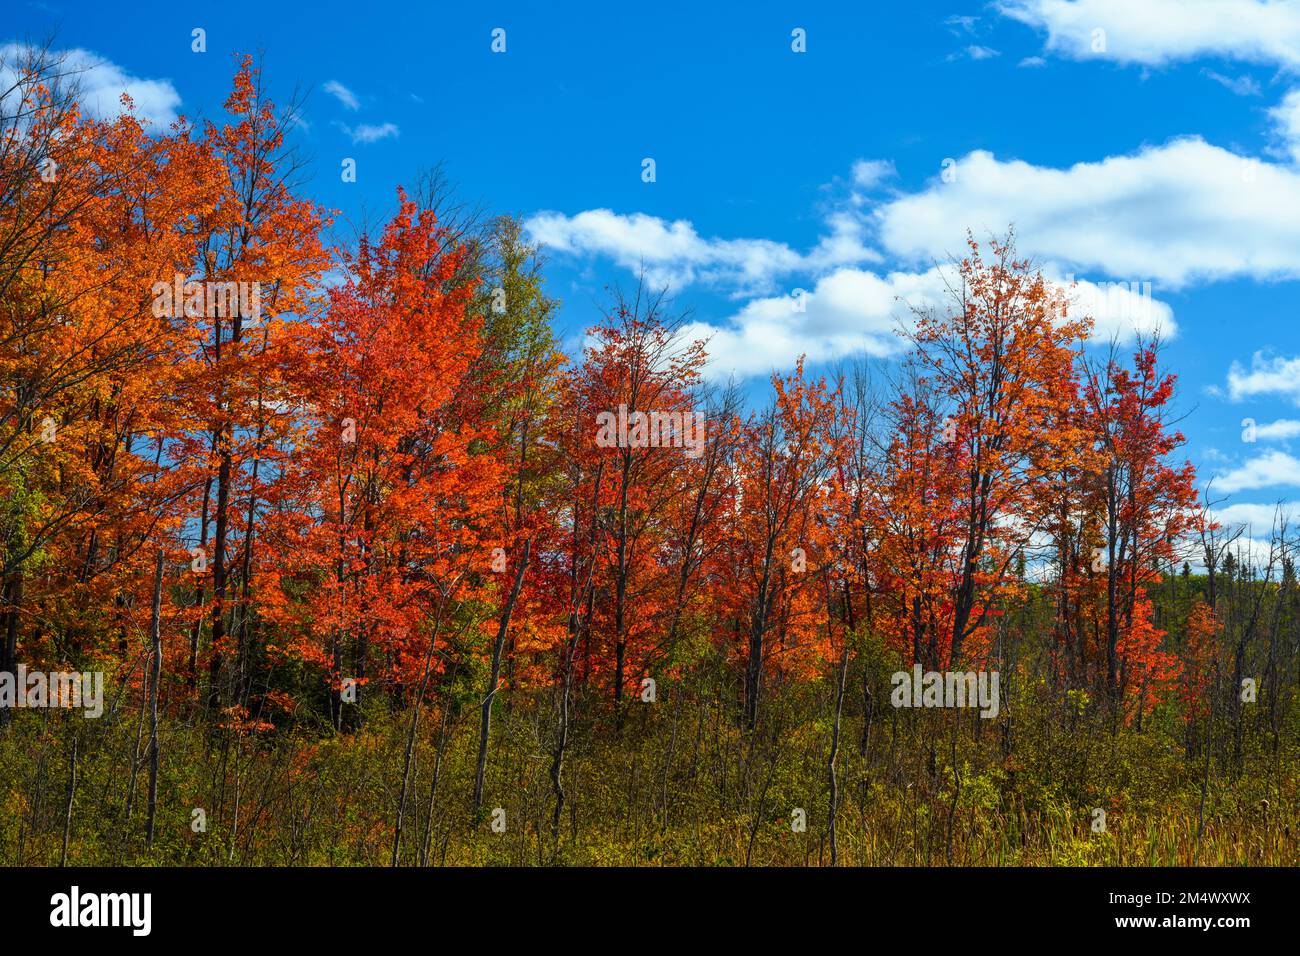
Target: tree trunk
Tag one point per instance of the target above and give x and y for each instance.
(155, 632)
(72, 793)
(485, 723)
(9, 648)
(840, 678)
(225, 456)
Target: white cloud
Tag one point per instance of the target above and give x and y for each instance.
(1259, 517)
(1032, 61)
(847, 309)
(1280, 430)
(1157, 32)
(1119, 310)
(974, 51)
(855, 311)
(673, 253)
(1286, 123)
(100, 84)
(1268, 375)
(1248, 552)
(847, 312)
(1170, 214)
(370, 133)
(962, 24)
(344, 95)
(1244, 85)
(844, 245)
(869, 173)
(1272, 469)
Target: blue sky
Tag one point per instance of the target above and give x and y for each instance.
(1153, 143)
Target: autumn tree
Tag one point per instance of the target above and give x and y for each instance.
(95, 213)
(639, 372)
(914, 510)
(516, 379)
(265, 240)
(779, 536)
(1002, 356)
(389, 507)
(1145, 502)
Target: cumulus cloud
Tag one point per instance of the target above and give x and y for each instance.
(1258, 517)
(674, 253)
(1159, 219)
(842, 307)
(1159, 32)
(1280, 430)
(99, 84)
(844, 244)
(848, 312)
(1272, 469)
(1172, 214)
(852, 311)
(1120, 311)
(1268, 375)
(1286, 124)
